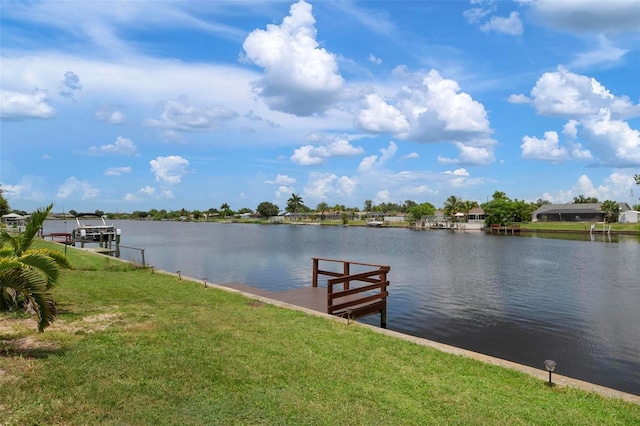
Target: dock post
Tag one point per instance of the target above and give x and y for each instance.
(142, 250)
(117, 242)
(314, 283)
(383, 318)
(346, 272)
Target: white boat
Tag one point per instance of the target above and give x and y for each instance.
(93, 233)
(375, 222)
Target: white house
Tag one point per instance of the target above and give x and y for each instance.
(13, 219)
(629, 216)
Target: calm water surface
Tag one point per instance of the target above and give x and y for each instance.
(525, 299)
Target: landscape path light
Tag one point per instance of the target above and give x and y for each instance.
(550, 365)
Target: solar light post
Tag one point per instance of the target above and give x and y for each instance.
(550, 365)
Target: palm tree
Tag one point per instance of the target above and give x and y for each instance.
(611, 211)
(452, 205)
(27, 274)
(466, 206)
(294, 203)
(321, 208)
(225, 209)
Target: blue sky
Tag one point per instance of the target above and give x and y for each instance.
(124, 106)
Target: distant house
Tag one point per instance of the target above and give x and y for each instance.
(629, 216)
(575, 212)
(400, 217)
(476, 214)
(13, 219)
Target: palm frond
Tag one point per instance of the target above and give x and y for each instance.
(60, 258)
(8, 263)
(32, 228)
(43, 264)
(33, 286)
(5, 238)
(6, 252)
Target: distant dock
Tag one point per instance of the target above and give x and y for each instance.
(506, 229)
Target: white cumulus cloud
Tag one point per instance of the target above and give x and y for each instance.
(616, 187)
(374, 60)
(21, 105)
(544, 149)
(613, 141)
(300, 77)
(380, 117)
(122, 146)
(169, 169)
(111, 115)
(595, 115)
(284, 191)
(72, 186)
(144, 192)
(282, 180)
(411, 156)
(470, 154)
(311, 155)
(322, 186)
(563, 93)
(181, 115)
(117, 171)
(434, 110)
(518, 99)
(511, 25)
(373, 162)
(458, 172)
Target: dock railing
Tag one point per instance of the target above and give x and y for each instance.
(354, 295)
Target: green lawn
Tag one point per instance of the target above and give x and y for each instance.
(135, 347)
(581, 226)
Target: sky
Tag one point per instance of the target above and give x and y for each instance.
(126, 106)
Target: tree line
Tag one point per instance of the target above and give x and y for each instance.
(500, 209)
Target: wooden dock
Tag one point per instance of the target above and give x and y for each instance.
(59, 237)
(314, 298)
(505, 228)
(345, 295)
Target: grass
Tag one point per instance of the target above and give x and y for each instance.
(135, 347)
(581, 226)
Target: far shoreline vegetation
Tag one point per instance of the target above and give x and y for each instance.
(500, 210)
(567, 227)
(454, 211)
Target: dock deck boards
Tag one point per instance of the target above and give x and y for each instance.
(101, 250)
(249, 289)
(314, 298)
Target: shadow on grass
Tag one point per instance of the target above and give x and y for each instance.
(27, 347)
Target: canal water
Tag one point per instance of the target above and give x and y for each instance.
(524, 299)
